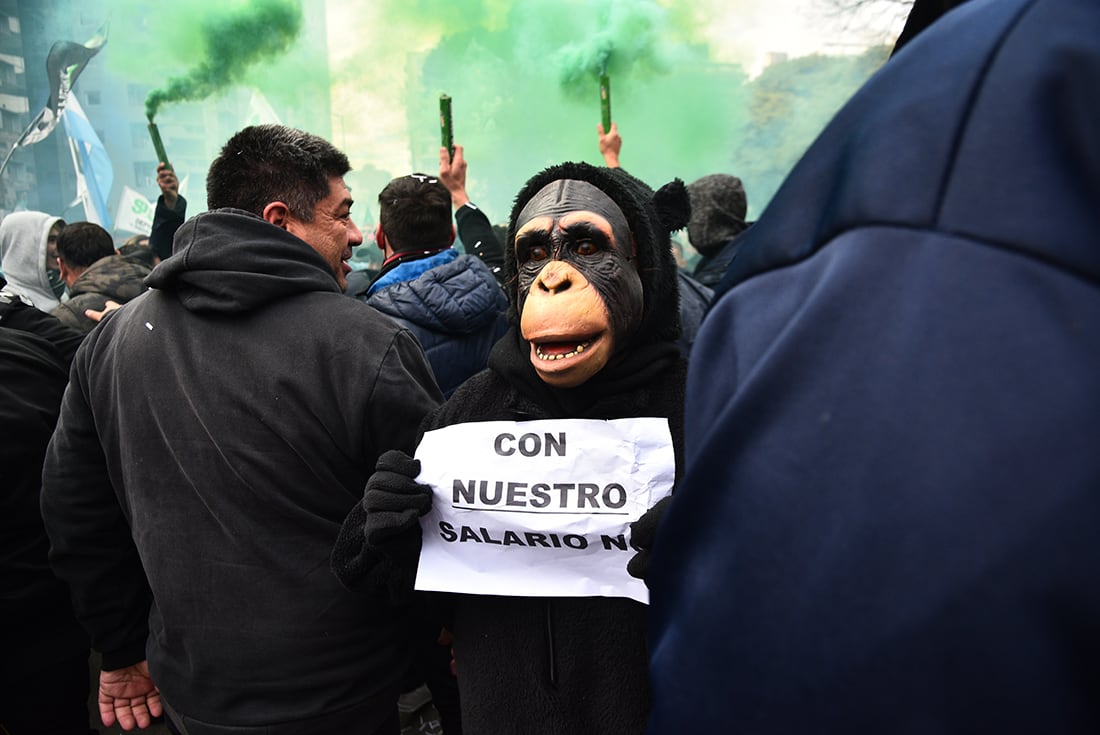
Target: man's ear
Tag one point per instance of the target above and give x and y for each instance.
(66, 273)
(277, 214)
(380, 238)
(452, 234)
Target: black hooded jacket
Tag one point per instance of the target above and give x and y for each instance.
(216, 431)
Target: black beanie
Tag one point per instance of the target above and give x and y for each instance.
(718, 207)
(651, 216)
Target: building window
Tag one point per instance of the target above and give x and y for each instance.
(145, 175)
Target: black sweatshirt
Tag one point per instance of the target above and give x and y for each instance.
(216, 432)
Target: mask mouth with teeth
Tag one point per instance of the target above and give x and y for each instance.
(560, 350)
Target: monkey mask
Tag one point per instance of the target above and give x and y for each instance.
(580, 296)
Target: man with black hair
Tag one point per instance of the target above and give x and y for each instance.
(93, 273)
(450, 301)
(215, 432)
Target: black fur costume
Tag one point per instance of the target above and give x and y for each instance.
(572, 665)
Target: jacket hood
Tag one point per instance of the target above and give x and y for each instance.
(651, 216)
(458, 296)
(1032, 187)
(229, 260)
(23, 246)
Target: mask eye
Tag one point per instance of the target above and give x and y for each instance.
(532, 248)
(586, 247)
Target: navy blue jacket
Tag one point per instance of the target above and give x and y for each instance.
(888, 521)
(454, 306)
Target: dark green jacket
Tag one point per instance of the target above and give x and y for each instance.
(113, 277)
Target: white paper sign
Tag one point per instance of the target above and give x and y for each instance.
(540, 508)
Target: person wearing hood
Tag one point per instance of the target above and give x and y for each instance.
(28, 257)
(593, 328)
(718, 207)
(216, 431)
(888, 519)
(451, 301)
(94, 273)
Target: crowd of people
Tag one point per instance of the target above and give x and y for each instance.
(875, 412)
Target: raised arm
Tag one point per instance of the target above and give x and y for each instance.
(170, 212)
(474, 229)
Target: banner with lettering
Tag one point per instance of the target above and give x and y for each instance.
(540, 508)
(135, 212)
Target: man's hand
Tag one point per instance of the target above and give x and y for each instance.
(610, 144)
(452, 174)
(129, 697)
(97, 316)
(169, 184)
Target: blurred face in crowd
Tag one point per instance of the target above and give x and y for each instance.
(53, 268)
(51, 247)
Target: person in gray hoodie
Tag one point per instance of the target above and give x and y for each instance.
(28, 257)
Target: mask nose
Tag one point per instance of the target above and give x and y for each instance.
(555, 278)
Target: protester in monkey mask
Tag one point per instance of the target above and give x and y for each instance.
(594, 322)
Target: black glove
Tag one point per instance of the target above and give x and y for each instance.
(378, 547)
(642, 534)
(394, 502)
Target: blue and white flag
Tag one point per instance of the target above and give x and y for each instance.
(94, 173)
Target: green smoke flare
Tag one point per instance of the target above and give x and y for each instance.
(232, 42)
(612, 37)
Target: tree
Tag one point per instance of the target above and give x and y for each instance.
(789, 104)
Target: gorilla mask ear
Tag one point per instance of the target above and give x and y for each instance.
(673, 205)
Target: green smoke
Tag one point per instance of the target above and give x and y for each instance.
(231, 42)
(616, 37)
(523, 75)
(526, 95)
